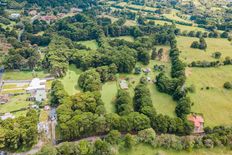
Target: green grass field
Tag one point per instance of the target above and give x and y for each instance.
(90, 43)
(213, 45)
(127, 38)
(70, 80)
(216, 103)
(108, 95)
(173, 16)
(23, 75)
(146, 150)
(15, 103)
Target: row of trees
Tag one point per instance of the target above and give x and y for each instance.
(109, 144)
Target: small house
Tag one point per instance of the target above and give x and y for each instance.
(198, 123)
(46, 107)
(32, 13)
(123, 84)
(147, 70)
(7, 115)
(14, 16)
(37, 90)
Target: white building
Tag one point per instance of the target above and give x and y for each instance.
(37, 90)
(14, 16)
(7, 115)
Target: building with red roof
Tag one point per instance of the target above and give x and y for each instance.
(198, 123)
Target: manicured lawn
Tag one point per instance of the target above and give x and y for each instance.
(127, 38)
(146, 150)
(215, 103)
(213, 45)
(23, 75)
(90, 43)
(70, 80)
(108, 95)
(15, 103)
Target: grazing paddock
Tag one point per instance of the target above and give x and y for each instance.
(108, 95)
(215, 102)
(189, 54)
(90, 44)
(173, 16)
(70, 80)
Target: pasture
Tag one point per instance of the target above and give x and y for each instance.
(189, 54)
(70, 80)
(108, 95)
(214, 102)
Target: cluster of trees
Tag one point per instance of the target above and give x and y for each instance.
(123, 103)
(200, 45)
(227, 85)
(156, 54)
(57, 93)
(26, 58)
(19, 133)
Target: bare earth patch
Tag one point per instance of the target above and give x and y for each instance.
(188, 71)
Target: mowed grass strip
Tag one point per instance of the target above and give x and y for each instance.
(214, 102)
(189, 54)
(70, 81)
(108, 95)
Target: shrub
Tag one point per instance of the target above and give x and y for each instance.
(227, 85)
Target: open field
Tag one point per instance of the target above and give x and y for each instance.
(215, 103)
(15, 103)
(173, 16)
(23, 75)
(213, 45)
(70, 80)
(127, 38)
(108, 95)
(146, 150)
(91, 44)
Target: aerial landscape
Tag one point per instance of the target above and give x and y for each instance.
(115, 77)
